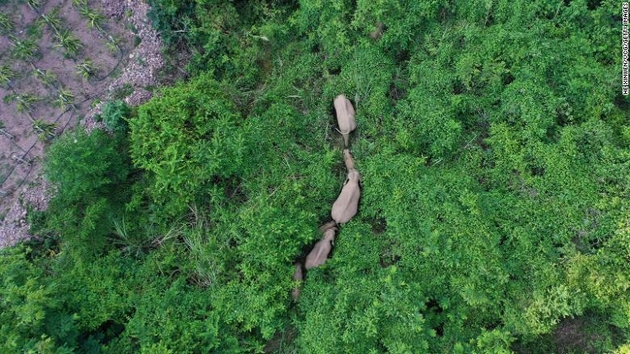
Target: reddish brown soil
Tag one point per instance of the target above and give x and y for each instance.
(22, 147)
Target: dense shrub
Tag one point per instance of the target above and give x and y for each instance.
(188, 139)
(114, 115)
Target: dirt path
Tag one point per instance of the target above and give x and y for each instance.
(125, 69)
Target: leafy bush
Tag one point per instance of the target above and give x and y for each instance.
(84, 167)
(115, 114)
(188, 138)
(32, 313)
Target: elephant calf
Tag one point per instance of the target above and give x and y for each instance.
(378, 31)
(347, 204)
(298, 276)
(345, 116)
(319, 253)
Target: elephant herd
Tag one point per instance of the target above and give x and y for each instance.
(347, 203)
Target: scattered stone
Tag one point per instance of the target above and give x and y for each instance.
(14, 227)
(137, 73)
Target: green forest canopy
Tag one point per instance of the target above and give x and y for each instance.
(494, 147)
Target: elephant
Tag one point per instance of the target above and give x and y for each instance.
(378, 31)
(298, 276)
(320, 251)
(347, 204)
(345, 117)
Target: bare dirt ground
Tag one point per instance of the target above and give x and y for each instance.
(125, 55)
(569, 337)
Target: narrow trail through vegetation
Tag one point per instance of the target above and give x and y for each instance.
(345, 206)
